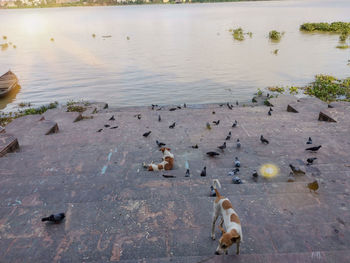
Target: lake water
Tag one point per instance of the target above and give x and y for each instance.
(174, 54)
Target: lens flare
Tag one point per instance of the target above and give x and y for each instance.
(269, 170)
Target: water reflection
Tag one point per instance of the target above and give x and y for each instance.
(9, 97)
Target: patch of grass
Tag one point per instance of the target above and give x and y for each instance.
(259, 93)
(293, 90)
(275, 35)
(75, 108)
(343, 46)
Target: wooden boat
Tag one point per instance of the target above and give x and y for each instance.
(8, 81)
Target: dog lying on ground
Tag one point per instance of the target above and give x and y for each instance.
(166, 164)
(233, 233)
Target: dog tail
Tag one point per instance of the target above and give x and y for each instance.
(216, 183)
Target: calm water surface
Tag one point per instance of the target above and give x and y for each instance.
(175, 53)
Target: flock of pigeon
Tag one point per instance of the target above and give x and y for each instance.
(57, 218)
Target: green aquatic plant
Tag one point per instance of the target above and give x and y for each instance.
(335, 27)
(24, 104)
(4, 46)
(293, 90)
(93, 35)
(275, 51)
(75, 108)
(343, 46)
(14, 46)
(52, 39)
(4, 37)
(276, 89)
(238, 34)
(275, 35)
(127, 38)
(259, 93)
(343, 36)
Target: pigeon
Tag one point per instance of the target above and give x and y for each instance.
(212, 191)
(237, 162)
(254, 100)
(159, 118)
(185, 106)
(138, 116)
(208, 126)
(236, 180)
(263, 140)
(212, 154)
(172, 109)
(228, 137)
(195, 146)
(296, 170)
(204, 171)
(179, 107)
(146, 134)
(56, 218)
(172, 126)
(269, 113)
(229, 106)
(238, 144)
(160, 144)
(237, 102)
(268, 95)
(154, 105)
(112, 118)
(233, 172)
(168, 176)
(222, 147)
(271, 109)
(107, 125)
(213, 112)
(114, 127)
(310, 160)
(216, 122)
(100, 130)
(314, 149)
(234, 124)
(255, 175)
(313, 186)
(187, 169)
(309, 141)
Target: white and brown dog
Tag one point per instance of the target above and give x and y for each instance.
(166, 164)
(233, 233)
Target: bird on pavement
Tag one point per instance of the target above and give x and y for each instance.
(100, 130)
(271, 109)
(213, 154)
(112, 118)
(309, 141)
(146, 134)
(255, 175)
(229, 106)
(114, 127)
(314, 149)
(159, 118)
(216, 122)
(212, 191)
(296, 170)
(238, 144)
(172, 126)
(160, 144)
(234, 124)
(313, 186)
(269, 113)
(107, 125)
(195, 146)
(228, 137)
(310, 160)
(55, 218)
(222, 147)
(237, 162)
(263, 140)
(204, 171)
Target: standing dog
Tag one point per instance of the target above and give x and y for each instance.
(233, 233)
(166, 164)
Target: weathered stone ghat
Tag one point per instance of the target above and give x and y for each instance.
(117, 211)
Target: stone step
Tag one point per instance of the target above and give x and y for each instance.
(2, 129)
(44, 127)
(63, 119)
(8, 143)
(309, 108)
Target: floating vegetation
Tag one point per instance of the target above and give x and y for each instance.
(93, 35)
(52, 39)
(4, 46)
(343, 46)
(276, 89)
(127, 38)
(335, 27)
(14, 46)
(275, 51)
(293, 90)
(4, 37)
(238, 33)
(72, 102)
(343, 36)
(24, 104)
(275, 35)
(108, 36)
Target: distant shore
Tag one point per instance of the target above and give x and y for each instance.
(110, 3)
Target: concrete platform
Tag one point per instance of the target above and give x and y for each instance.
(117, 211)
